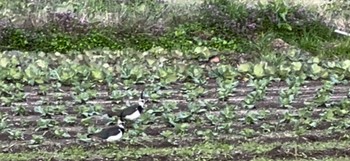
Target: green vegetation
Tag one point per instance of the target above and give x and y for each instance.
(226, 80)
(205, 150)
(217, 24)
(46, 99)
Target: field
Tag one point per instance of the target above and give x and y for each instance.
(276, 96)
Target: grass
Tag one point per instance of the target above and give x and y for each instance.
(323, 159)
(206, 150)
(129, 26)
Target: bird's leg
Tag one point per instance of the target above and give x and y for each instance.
(128, 125)
(108, 145)
(137, 121)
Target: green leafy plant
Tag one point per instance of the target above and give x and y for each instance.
(4, 123)
(43, 89)
(322, 95)
(36, 73)
(36, 139)
(225, 72)
(89, 110)
(19, 110)
(167, 74)
(83, 138)
(65, 74)
(196, 108)
(288, 95)
(181, 128)
(70, 120)
(43, 111)
(193, 91)
(281, 8)
(86, 121)
(117, 95)
(45, 124)
(268, 127)
(167, 134)
(248, 133)
(214, 120)
(257, 94)
(83, 97)
(208, 134)
(203, 53)
(61, 133)
(132, 73)
(16, 135)
(165, 107)
(196, 74)
(226, 88)
(228, 113)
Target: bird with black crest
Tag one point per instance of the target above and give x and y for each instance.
(132, 112)
(110, 134)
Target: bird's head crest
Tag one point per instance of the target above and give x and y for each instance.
(142, 100)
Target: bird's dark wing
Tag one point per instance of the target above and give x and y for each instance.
(129, 110)
(105, 133)
(112, 113)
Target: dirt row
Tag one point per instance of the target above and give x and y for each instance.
(176, 93)
(270, 117)
(156, 131)
(159, 142)
(181, 105)
(211, 83)
(210, 95)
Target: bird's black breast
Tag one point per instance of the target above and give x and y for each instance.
(140, 109)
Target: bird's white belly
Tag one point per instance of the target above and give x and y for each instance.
(115, 137)
(133, 116)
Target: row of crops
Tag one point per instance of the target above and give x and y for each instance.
(53, 100)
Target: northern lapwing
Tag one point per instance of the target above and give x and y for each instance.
(134, 111)
(110, 134)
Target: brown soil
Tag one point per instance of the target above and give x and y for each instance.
(281, 153)
(211, 84)
(272, 102)
(277, 153)
(31, 121)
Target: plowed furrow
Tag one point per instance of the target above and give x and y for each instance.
(159, 142)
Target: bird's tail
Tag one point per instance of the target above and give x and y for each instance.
(90, 135)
